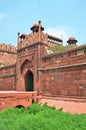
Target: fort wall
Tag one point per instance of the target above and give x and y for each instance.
(64, 73)
(70, 57)
(8, 78)
(8, 54)
(66, 81)
(32, 64)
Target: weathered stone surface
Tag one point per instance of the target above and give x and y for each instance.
(54, 74)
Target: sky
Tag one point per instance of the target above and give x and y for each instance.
(61, 18)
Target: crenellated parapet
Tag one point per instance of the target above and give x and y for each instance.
(7, 48)
(37, 35)
(25, 40)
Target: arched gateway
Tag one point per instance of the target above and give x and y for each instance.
(27, 75)
(29, 81)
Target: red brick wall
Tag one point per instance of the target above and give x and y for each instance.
(8, 58)
(8, 54)
(7, 78)
(70, 81)
(13, 99)
(64, 73)
(58, 74)
(61, 59)
(10, 69)
(7, 83)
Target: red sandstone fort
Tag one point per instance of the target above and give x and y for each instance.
(32, 72)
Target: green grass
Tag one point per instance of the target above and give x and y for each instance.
(39, 117)
(59, 48)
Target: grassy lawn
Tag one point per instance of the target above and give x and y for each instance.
(39, 117)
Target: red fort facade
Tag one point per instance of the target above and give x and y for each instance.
(31, 71)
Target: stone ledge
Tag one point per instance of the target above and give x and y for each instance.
(8, 66)
(60, 67)
(8, 75)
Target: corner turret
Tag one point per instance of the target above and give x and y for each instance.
(72, 41)
(36, 26)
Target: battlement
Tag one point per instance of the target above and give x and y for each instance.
(7, 48)
(66, 58)
(32, 38)
(37, 35)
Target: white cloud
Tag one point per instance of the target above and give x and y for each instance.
(60, 31)
(2, 15)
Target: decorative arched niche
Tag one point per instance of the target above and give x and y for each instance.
(27, 74)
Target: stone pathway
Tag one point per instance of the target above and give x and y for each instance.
(67, 106)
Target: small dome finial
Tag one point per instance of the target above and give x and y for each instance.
(35, 27)
(72, 41)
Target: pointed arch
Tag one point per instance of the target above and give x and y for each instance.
(27, 75)
(29, 81)
(26, 64)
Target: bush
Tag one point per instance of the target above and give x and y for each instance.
(37, 117)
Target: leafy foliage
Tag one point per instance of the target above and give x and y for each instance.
(39, 117)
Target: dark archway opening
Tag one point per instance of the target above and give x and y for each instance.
(19, 106)
(29, 82)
